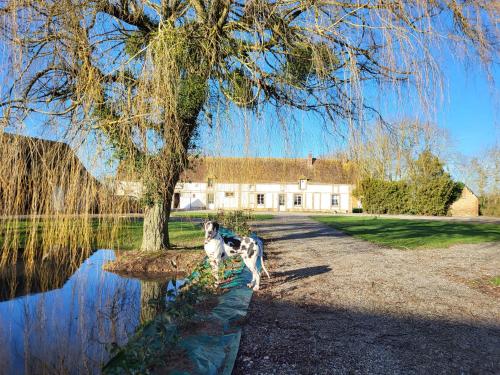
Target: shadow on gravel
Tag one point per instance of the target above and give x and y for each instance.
(302, 273)
(285, 338)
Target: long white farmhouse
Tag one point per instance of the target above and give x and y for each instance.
(267, 184)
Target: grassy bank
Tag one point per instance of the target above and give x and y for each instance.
(182, 234)
(127, 234)
(205, 215)
(401, 233)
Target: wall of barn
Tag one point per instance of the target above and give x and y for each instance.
(466, 205)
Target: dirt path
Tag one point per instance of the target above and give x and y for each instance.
(339, 305)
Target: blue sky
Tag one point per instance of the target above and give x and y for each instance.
(468, 112)
(467, 109)
(471, 111)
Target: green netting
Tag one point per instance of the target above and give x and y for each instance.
(216, 353)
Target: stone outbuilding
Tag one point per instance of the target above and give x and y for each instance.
(466, 205)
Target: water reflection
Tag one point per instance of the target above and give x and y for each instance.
(69, 330)
(17, 281)
(152, 294)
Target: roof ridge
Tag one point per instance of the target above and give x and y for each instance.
(264, 158)
(35, 138)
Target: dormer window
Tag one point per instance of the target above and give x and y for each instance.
(303, 184)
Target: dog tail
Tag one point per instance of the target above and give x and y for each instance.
(264, 267)
(261, 255)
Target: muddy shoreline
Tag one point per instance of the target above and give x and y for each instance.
(172, 262)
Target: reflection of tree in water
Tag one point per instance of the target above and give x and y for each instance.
(47, 274)
(72, 319)
(153, 297)
(120, 311)
(69, 329)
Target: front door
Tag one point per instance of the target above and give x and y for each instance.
(282, 200)
(317, 201)
(211, 200)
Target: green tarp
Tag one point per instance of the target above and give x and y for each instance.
(216, 353)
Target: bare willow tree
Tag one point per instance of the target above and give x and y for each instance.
(388, 151)
(145, 74)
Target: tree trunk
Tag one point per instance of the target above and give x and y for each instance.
(154, 229)
(156, 217)
(167, 170)
(152, 291)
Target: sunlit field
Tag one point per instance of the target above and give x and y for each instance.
(411, 234)
(128, 235)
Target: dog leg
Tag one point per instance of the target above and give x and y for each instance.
(249, 264)
(215, 270)
(257, 279)
(255, 270)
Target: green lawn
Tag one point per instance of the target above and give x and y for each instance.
(206, 215)
(182, 234)
(400, 233)
(128, 234)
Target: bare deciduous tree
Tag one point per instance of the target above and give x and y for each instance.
(388, 151)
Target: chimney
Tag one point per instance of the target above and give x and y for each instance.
(310, 160)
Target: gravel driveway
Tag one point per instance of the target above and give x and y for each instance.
(340, 305)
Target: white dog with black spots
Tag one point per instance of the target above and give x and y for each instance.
(219, 248)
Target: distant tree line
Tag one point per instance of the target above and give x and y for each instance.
(428, 190)
(489, 205)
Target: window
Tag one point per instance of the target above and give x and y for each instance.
(335, 200)
(303, 184)
(229, 194)
(297, 200)
(210, 182)
(210, 198)
(260, 198)
(282, 199)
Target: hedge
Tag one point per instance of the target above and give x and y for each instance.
(429, 191)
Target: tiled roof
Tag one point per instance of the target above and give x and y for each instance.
(269, 170)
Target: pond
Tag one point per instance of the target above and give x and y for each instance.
(71, 327)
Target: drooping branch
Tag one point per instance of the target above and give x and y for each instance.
(128, 12)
